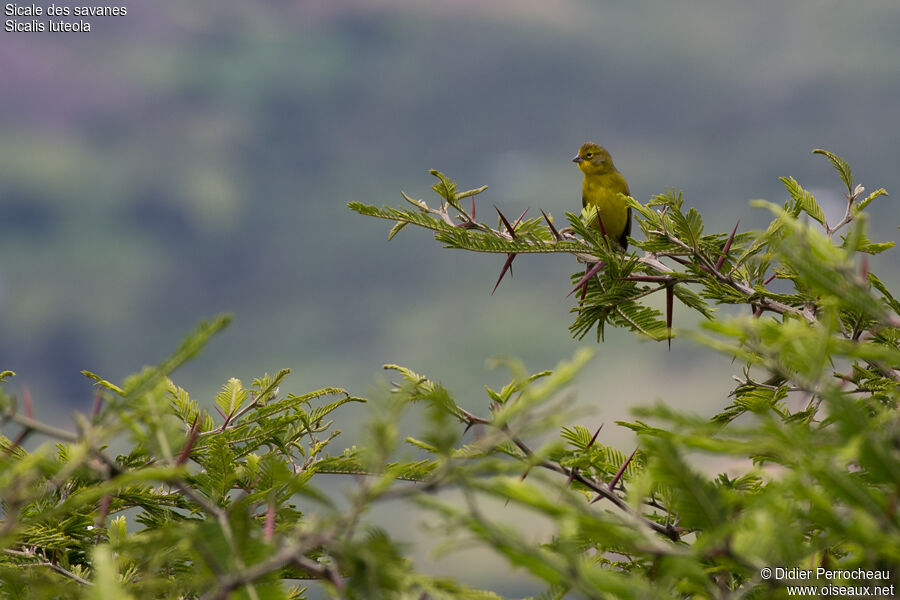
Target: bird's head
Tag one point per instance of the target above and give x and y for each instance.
(593, 159)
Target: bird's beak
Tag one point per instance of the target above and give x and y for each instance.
(577, 159)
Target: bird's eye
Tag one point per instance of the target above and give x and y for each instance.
(589, 155)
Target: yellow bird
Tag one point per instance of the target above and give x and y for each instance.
(601, 188)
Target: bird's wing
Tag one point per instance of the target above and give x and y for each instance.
(623, 239)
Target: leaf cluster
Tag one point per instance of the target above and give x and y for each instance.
(810, 431)
(198, 504)
(224, 498)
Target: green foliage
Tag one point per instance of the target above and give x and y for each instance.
(229, 504)
(199, 506)
(810, 430)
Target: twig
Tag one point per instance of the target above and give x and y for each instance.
(52, 565)
(282, 558)
(39, 427)
(601, 489)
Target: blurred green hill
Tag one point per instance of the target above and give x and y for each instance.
(182, 161)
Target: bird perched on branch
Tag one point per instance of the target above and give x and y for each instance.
(601, 188)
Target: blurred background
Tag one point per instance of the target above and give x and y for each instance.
(186, 160)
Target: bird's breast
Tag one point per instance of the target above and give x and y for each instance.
(603, 193)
